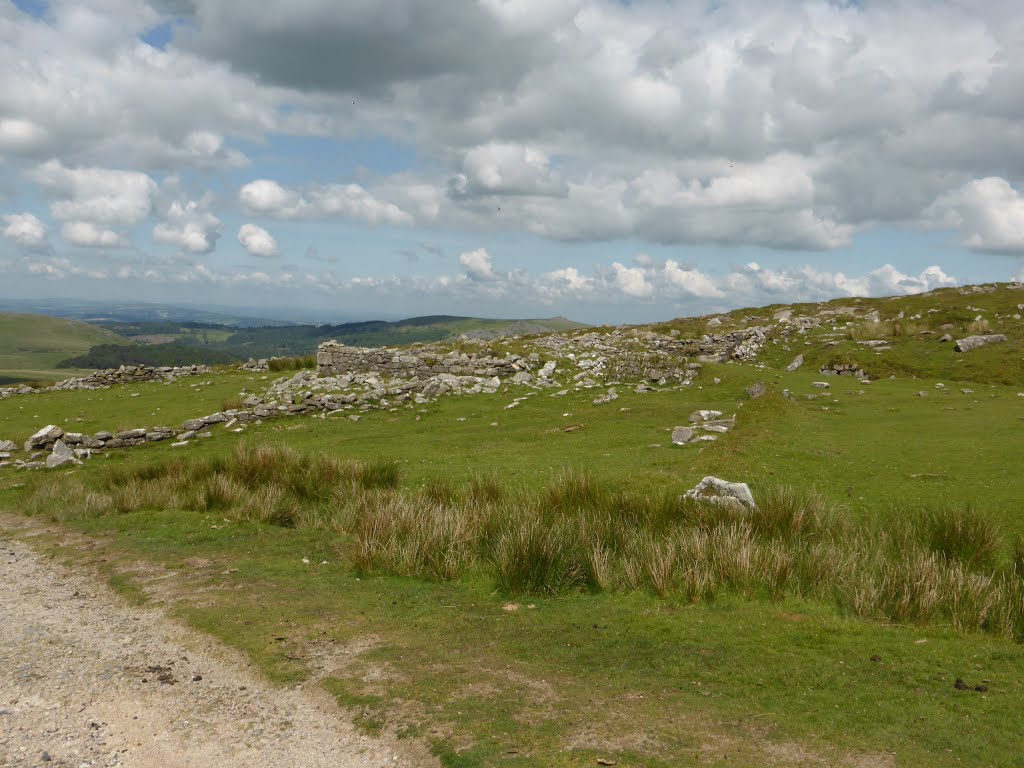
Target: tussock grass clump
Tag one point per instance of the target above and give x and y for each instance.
(380, 474)
(484, 489)
(948, 565)
(402, 535)
(531, 557)
(977, 326)
(439, 491)
(298, 363)
(262, 483)
(574, 490)
(892, 329)
(960, 533)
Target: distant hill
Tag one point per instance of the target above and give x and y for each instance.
(39, 347)
(93, 311)
(295, 340)
(32, 345)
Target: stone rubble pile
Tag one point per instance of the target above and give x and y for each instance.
(703, 421)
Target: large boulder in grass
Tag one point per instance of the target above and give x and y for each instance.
(717, 491)
(973, 342)
(61, 456)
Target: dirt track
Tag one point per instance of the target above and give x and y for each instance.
(88, 680)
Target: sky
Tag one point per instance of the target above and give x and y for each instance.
(604, 160)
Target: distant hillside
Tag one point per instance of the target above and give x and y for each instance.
(32, 345)
(39, 347)
(294, 340)
(92, 311)
(115, 355)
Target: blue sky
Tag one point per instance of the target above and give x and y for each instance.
(606, 161)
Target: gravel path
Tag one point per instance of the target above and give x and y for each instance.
(87, 680)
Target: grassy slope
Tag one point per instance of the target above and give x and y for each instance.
(630, 676)
(32, 345)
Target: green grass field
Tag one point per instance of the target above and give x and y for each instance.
(490, 676)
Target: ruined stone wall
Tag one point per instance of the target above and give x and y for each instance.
(333, 359)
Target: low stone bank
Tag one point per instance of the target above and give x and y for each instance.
(126, 374)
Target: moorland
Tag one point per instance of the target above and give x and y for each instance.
(510, 573)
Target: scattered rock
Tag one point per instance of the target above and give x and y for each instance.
(718, 491)
(682, 435)
(820, 384)
(719, 428)
(704, 415)
(8, 445)
(973, 342)
(756, 390)
(797, 362)
(61, 456)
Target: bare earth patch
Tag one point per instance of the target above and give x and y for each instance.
(87, 680)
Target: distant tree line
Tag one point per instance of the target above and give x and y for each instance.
(115, 355)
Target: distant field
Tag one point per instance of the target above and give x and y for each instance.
(32, 345)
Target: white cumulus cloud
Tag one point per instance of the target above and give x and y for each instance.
(26, 231)
(988, 214)
(99, 195)
(691, 281)
(86, 234)
(478, 265)
(632, 281)
(189, 225)
(351, 201)
(257, 241)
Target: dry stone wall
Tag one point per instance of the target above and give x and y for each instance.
(126, 374)
(334, 358)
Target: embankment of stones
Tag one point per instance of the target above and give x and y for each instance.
(334, 358)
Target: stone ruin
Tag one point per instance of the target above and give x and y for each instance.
(334, 358)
